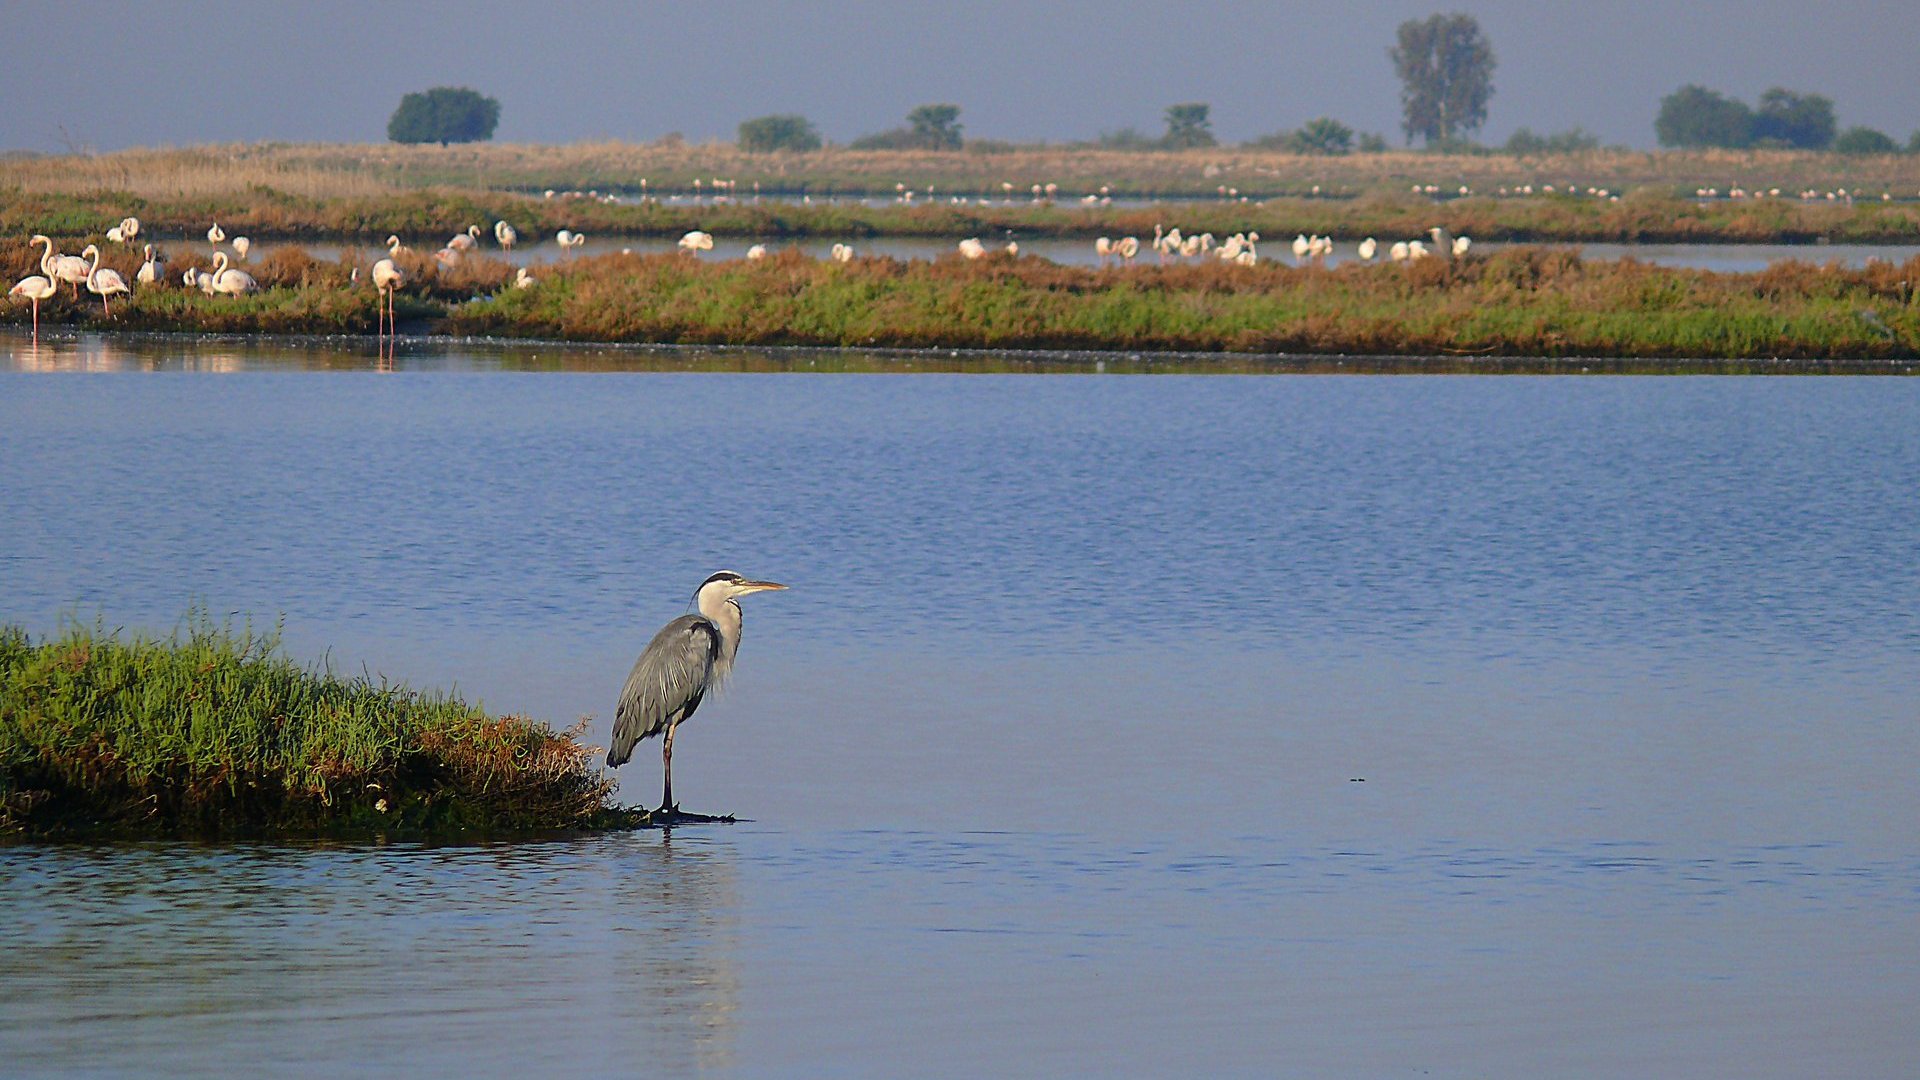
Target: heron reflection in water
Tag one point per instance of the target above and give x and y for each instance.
(689, 657)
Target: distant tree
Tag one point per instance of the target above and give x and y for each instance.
(936, 127)
(1913, 143)
(444, 114)
(1804, 121)
(1573, 140)
(1696, 116)
(1188, 126)
(782, 132)
(1371, 142)
(1865, 140)
(1322, 136)
(1446, 73)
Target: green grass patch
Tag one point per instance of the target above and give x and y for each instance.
(213, 731)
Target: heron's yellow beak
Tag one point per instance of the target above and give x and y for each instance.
(759, 586)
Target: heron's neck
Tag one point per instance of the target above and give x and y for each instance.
(725, 616)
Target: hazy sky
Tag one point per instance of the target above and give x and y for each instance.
(113, 75)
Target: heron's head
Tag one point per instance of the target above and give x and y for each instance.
(726, 585)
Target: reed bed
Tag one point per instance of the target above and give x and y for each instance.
(1523, 301)
(347, 170)
(213, 731)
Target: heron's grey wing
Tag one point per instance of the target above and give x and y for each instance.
(667, 680)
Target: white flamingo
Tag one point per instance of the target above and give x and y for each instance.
(1013, 248)
(387, 279)
(757, 252)
(580, 240)
(71, 269)
(130, 228)
(149, 273)
(524, 280)
(1442, 243)
(36, 289)
(971, 248)
(1368, 249)
(231, 282)
(841, 253)
(216, 234)
(117, 234)
(1302, 247)
(464, 241)
(1400, 251)
(1127, 247)
(447, 257)
(103, 283)
(1461, 245)
(697, 241)
(1103, 247)
(394, 247)
(505, 235)
(242, 245)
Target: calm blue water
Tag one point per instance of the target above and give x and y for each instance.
(1253, 725)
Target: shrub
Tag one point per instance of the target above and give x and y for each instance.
(1865, 140)
(1524, 141)
(444, 114)
(782, 132)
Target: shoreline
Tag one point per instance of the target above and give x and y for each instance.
(1517, 303)
(887, 360)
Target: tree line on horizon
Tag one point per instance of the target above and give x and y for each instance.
(1445, 65)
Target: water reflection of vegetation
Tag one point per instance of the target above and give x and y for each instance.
(213, 730)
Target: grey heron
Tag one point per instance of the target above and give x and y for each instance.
(690, 656)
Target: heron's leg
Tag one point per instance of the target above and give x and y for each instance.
(666, 761)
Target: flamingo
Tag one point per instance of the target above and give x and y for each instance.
(447, 257)
(1127, 247)
(1013, 248)
(117, 234)
(697, 241)
(580, 239)
(190, 278)
(757, 251)
(231, 282)
(394, 247)
(465, 240)
(1301, 247)
(36, 289)
(971, 248)
(1461, 245)
(130, 228)
(524, 280)
(1368, 249)
(1103, 247)
(1400, 251)
(1158, 239)
(1417, 250)
(387, 279)
(216, 234)
(103, 283)
(1442, 243)
(842, 253)
(242, 245)
(149, 270)
(68, 268)
(505, 234)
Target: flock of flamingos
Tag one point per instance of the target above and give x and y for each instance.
(388, 277)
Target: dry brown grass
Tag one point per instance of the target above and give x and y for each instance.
(317, 170)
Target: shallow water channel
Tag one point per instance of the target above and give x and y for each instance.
(1180, 724)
